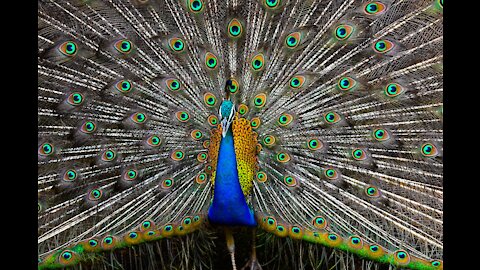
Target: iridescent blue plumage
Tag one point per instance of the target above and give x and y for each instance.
(228, 205)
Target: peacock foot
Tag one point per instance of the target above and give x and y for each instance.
(252, 264)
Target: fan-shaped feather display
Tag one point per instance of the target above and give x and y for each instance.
(308, 131)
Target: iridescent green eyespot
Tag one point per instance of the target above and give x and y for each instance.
(177, 155)
(95, 194)
(283, 157)
(167, 183)
(383, 46)
(195, 6)
(46, 149)
(258, 62)
(75, 99)
(235, 28)
(343, 32)
(209, 99)
(70, 175)
(139, 117)
(293, 40)
(374, 8)
(88, 127)
(123, 46)
(272, 3)
(346, 83)
(68, 48)
(429, 150)
(109, 155)
(332, 118)
(176, 45)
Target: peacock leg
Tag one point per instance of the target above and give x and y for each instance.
(253, 263)
(231, 246)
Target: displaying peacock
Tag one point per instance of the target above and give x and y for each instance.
(275, 134)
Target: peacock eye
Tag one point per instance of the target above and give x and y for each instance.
(381, 134)
(210, 60)
(133, 235)
(269, 140)
(202, 156)
(359, 154)
(233, 86)
(272, 3)
(146, 224)
(195, 6)
(187, 221)
(258, 62)
(283, 157)
(374, 8)
(182, 116)
(297, 81)
(260, 100)
(271, 221)
(212, 120)
(95, 194)
(383, 46)
(372, 191)
(393, 90)
(402, 257)
(46, 149)
(319, 222)
(346, 83)
(314, 144)
(154, 140)
(130, 175)
(108, 240)
(196, 134)
(75, 99)
(235, 28)
(124, 46)
(436, 263)
(176, 45)
(177, 155)
(167, 183)
(343, 31)
(66, 256)
(173, 84)
(429, 150)
(255, 122)
(93, 242)
(261, 177)
(332, 117)
(285, 119)
(242, 109)
(290, 181)
(201, 178)
(356, 241)
(68, 48)
(88, 127)
(332, 237)
(108, 155)
(70, 175)
(139, 118)
(123, 86)
(209, 99)
(331, 174)
(292, 40)
(374, 248)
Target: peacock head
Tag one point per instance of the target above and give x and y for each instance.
(226, 113)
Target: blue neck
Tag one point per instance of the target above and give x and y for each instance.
(229, 206)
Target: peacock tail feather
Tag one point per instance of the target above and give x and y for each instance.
(314, 125)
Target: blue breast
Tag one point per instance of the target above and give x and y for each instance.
(229, 206)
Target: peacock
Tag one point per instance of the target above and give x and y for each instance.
(263, 134)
